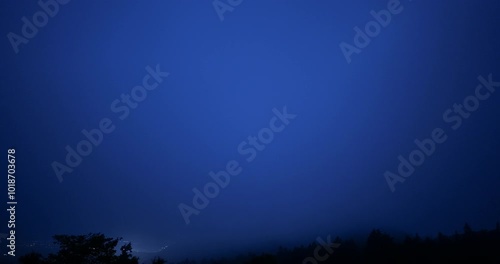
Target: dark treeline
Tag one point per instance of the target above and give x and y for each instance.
(474, 246)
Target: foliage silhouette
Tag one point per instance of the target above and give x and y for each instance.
(472, 246)
(84, 249)
(158, 260)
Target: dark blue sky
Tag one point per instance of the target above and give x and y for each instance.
(323, 174)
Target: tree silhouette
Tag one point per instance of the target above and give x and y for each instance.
(126, 255)
(264, 259)
(469, 246)
(32, 258)
(91, 248)
(379, 247)
(158, 260)
(85, 249)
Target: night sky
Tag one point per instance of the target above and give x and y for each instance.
(235, 125)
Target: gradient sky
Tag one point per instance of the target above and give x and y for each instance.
(322, 175)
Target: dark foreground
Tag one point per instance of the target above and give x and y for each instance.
(473, 246)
